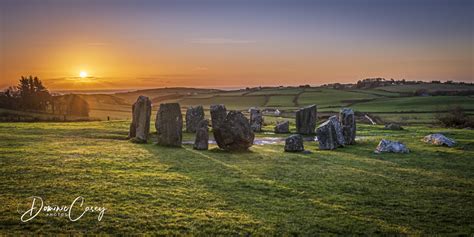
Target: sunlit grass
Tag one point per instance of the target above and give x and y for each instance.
(147, 188)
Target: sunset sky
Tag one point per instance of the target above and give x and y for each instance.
(233, 43)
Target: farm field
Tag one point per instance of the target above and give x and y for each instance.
(390, 103)
(151, 189)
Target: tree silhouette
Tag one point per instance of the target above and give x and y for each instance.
(33, 94)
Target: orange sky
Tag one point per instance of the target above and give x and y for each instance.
(121, 46)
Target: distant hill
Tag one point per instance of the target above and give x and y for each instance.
(398, 103)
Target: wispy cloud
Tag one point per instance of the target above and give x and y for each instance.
(221, 41)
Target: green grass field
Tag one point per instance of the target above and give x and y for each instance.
(386, 102)
(150, 189)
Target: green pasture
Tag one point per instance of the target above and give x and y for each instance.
(180, 191)
(416, 104)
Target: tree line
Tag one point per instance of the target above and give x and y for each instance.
(31, 95)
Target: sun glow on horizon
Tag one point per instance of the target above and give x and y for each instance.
(83, 74)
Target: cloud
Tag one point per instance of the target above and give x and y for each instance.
(221, 41)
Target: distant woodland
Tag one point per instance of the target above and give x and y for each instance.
(32, 96)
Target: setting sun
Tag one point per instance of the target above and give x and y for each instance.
(83, 74)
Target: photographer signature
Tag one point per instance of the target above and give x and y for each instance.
(75, 211)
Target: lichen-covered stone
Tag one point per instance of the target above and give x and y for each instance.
(202, 135)
(234, 133)
(306, 120)
(391, 146)
(439, 139)
(348, 122)
(330, 135)
(282, 127)
(256, 119)
(218, 115)
(169, 125)
(338, 128)
(294, 143)
(140, 126)
(194, 115)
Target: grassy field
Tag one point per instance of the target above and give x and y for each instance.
(150, 189)
(391, 103)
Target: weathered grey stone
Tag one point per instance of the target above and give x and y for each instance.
(218, 115)
(439, 139)
(202, 135)
(393, 126)
(194, 115)
(391, 146)
(169, 125)
(282, 127)
(348, 121)
(338, 127)
(327, 136)
(256, 119)
(306, 120)
(234, 133)
(140, 126)
(294, 143)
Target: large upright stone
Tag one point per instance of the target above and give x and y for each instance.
(140, 126)
(256, 119)
(218, 115)
(294, 143)
(330, 135)
(347, 118)
(282, 127)
(306, 120)
(234, 133)
(194, 115)
(202, 135)
(339, 133)
(169, 125)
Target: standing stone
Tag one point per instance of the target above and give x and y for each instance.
(282, 127)
(306, 120)
(439, 139)
(338, 128)
(194, 115)
(202, 135)
(391, 146)
(256, 120)
(294, 143)
(169, 125)
(140, 126)
(327, 136)
(347, 118)
(234, 133)
(218, 114)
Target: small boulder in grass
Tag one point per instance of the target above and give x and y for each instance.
(294, 143)
(391, 146)
(282, 127)
(393, 126)
(439, 139)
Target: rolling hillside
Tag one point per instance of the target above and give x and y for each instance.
(391, 103)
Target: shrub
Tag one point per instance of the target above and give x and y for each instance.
(456, 117)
